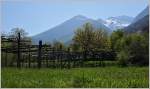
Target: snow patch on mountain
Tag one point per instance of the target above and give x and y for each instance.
(118, 22)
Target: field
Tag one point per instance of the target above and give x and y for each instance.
(103, 77)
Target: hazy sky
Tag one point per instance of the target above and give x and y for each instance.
(36, 16)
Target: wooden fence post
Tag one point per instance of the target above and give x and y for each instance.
(53, 57)
(69, 59)
(29, 58)
(6, 58)
(39, 54)
(18, 53)
(84, 58)
(61, 52)
(47, 59)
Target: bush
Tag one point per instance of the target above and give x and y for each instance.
(123, 58)
(132, 49)
(139, 50)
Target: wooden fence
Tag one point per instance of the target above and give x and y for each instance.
(47, 56)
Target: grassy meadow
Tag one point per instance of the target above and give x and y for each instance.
(98, 77)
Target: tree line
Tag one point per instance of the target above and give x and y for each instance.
(131, 49)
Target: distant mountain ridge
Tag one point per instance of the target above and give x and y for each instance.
(118, 22)
(142, 14)
(140, 22)
(65, 31)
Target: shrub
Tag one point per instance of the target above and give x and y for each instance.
(139, 50)
(123, 57)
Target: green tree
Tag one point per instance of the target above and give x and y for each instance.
(58, 45)
(138, 49)
(75, 47)
(133, 49)
(115, 38)
(101, 40)
(84, 37)
(123, 57)
(14, 34)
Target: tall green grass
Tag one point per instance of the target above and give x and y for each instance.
(104, 77)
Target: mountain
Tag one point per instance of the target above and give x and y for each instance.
(117, 22)
(65, 31)
(101, 21)
(144, 13)
(140, 23)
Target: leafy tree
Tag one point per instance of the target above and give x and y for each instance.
(138, 49)
(115, 38)
(58, 45)
(75, 47)
(133, 49)
(84, 37)
(101, 40)
(91, 39)
(14, 32)
(123, 57)
(23, 34)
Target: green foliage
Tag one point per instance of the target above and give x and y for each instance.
(75, 47)
(84, 36)
(101, 40)
(89, 38)
(58, 45)
(8, 60)
(138, 49)
(115, 38)
(105, 77)
(123, 58)
(131, 48)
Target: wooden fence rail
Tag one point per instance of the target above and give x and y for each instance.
(47, 56)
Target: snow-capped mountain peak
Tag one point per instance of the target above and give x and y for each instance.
(118, 22)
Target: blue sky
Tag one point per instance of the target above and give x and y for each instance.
(36, 16)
